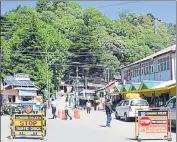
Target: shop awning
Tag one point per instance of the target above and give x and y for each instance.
(147, 84)
(134, 86)
(165, 84)
(117, 88)
(125, 88)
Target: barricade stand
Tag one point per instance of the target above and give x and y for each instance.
(153, 121)
(28, 125)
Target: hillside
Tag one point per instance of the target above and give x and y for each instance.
(58, 33)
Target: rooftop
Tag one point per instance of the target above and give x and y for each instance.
(165, 50)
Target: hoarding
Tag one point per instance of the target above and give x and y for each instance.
(153, 121)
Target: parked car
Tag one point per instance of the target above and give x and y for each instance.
(172, 105)
(126, 108)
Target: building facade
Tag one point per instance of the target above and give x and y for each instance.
(160, 66)
(18, 88)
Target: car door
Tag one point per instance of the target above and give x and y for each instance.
(172, 105)
(118, 108)
(124, 106)
(121, 108)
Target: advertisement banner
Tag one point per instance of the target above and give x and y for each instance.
(153, 121)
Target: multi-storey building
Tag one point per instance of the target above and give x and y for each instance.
(160, 66)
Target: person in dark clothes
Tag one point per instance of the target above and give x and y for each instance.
(54, 105)
(109, 111)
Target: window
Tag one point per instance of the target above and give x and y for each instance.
(139, 103)
(168, 63)
(163, 64)
(172, 103)
(126, 103)
(122, 104)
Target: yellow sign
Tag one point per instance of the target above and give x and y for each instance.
(27, 123)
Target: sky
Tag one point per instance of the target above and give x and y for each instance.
(164, 10)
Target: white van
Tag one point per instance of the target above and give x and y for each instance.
(126, 108)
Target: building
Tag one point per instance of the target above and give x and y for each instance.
(18, 88)
(160, 66)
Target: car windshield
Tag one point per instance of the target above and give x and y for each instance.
(139, 103)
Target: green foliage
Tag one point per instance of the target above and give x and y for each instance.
(65, 30)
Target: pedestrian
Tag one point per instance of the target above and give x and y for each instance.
(88, 105)
(54, 105)
(70, 100)
(109, 111)
(44, 107)
(67, 113)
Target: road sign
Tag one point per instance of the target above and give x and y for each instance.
(28, 125)
(152, 122)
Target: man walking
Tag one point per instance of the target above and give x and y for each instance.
(67, 113)
(54, 105)
(88, 105)
(108, 112)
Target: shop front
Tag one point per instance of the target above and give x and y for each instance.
(27, 95)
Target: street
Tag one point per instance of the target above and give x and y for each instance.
(89, 128)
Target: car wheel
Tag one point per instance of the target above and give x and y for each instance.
(116, 116)
(126, 118)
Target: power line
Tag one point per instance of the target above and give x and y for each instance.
(118, 4)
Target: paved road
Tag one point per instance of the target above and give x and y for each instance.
(87, 129)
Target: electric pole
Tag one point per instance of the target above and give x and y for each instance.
(48, 87)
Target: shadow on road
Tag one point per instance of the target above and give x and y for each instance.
(35, 138)
(102, 126)
(134, 139)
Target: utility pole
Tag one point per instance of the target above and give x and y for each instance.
(48, 87)
(77, 79)
(108, 75)
(1, 98)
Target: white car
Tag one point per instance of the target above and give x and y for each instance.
(172, 105)
(126, 108)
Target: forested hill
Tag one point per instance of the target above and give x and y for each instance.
(66, 33)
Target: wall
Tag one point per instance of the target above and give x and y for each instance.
(156, 75)
(174, 66)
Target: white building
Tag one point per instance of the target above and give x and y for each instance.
(160, 66)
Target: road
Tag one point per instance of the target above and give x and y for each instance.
(87, 129)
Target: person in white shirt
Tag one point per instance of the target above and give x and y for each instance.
(67, 113)
(54, 105)
(88, 105)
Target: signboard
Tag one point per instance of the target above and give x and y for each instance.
(28, 124)
(153, 121)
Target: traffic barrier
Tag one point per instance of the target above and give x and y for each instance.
(152, 122)
(58, 114)
(63, 115)
(76, 113)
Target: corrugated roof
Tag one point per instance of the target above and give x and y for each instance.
(166, 50)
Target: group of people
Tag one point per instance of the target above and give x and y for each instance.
(108, 109)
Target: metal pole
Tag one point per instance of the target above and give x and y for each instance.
(108, 75)
(76, 84)
(48, 88)
(1, 98)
